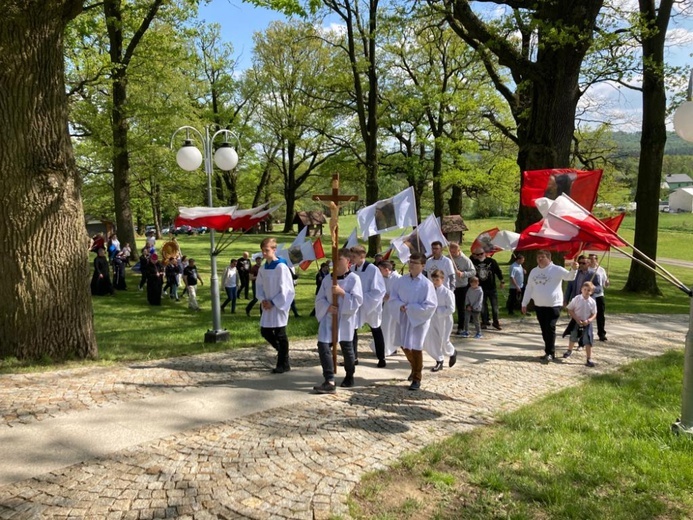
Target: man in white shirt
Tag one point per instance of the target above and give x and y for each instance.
(464, 270)
(544, 286)
(442, 263)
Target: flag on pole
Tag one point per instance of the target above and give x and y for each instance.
(613, 223)
(580, 185)
(385, 215)
(567, 223)
(353, 240)
(420, 240)
(484, 241)
(318, 251)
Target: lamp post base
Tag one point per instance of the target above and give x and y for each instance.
(217, 336)
(678, 428)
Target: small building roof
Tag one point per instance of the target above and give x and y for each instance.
(678, 178)
(689, 191)
(452, 224)
(309, 218)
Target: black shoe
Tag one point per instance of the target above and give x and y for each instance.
(453, 360)
(347, 382)
(247, 313)
(484, 325)
(546, 358)
(415, 385)
(281, 370)
(438, 367)
(603, 338)
(497, 326)
(325, 388)
(381, 363)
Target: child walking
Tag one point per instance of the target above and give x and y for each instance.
(350, 297)
(437, 342)
(415, 297)
(472, 307)
(583, 309)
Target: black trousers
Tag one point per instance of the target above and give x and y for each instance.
(460, 295)
(492, 298)
(547, 318)
(244, 277)
(325, 351)
(601, 319)
(276, 336)
(378, 339)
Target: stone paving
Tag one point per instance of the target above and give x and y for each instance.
(299, 462)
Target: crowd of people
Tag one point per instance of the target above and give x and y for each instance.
(416, 311)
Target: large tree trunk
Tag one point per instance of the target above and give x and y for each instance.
(652, 141)
(45, 306)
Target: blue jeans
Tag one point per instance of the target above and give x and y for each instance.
(230, 297)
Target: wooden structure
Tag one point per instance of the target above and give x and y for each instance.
(332, 200)
(313, 219)
(453, 227)
(96, 225)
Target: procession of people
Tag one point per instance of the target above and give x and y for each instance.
(413, 310)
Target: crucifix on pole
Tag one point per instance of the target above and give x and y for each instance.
(332, 200)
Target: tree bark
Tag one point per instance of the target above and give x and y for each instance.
(45, 305)
(652, 141)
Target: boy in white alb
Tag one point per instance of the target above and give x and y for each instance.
(350, 298)
(371, 311)
(275, 291)
(437, 342)
(415, 298)
(583, 309)
(390, 315)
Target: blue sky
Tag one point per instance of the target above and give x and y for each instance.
(238, 21)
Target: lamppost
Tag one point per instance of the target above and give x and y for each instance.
(683, 124)
(189, 158)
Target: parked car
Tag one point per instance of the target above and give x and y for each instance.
(182, 230)
(150, 230)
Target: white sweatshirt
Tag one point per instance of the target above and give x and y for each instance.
(544, 286)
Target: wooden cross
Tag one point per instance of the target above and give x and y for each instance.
(332, 200)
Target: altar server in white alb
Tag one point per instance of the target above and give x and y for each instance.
(275, 290)
(371, 312)
(390, 315)
(415, 297)
(437, 342)
(350, 298)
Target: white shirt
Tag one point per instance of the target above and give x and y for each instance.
(373, 286)
(582, 308)
(277, 286)
(348, 308)
(419, 297)
(544, 285)
(443, 264)
(230, 277)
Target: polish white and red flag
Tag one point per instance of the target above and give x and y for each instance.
(567, 221)
(318, 253)
(223, 218)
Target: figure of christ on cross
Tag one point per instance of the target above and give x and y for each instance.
(332, 200)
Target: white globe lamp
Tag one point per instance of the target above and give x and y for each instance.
(189, 157)
(226, 157)
(683, 121)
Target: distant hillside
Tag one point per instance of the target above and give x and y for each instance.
(628, 144)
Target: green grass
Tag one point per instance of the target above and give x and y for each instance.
(603, 450)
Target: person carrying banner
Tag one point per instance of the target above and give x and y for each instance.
(464, 270)
(544, 287)
(275, 291)
(414, 296)
(350, 298)
(371, 311)
(487, 270)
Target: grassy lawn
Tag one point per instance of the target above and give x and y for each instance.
(602, 450)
